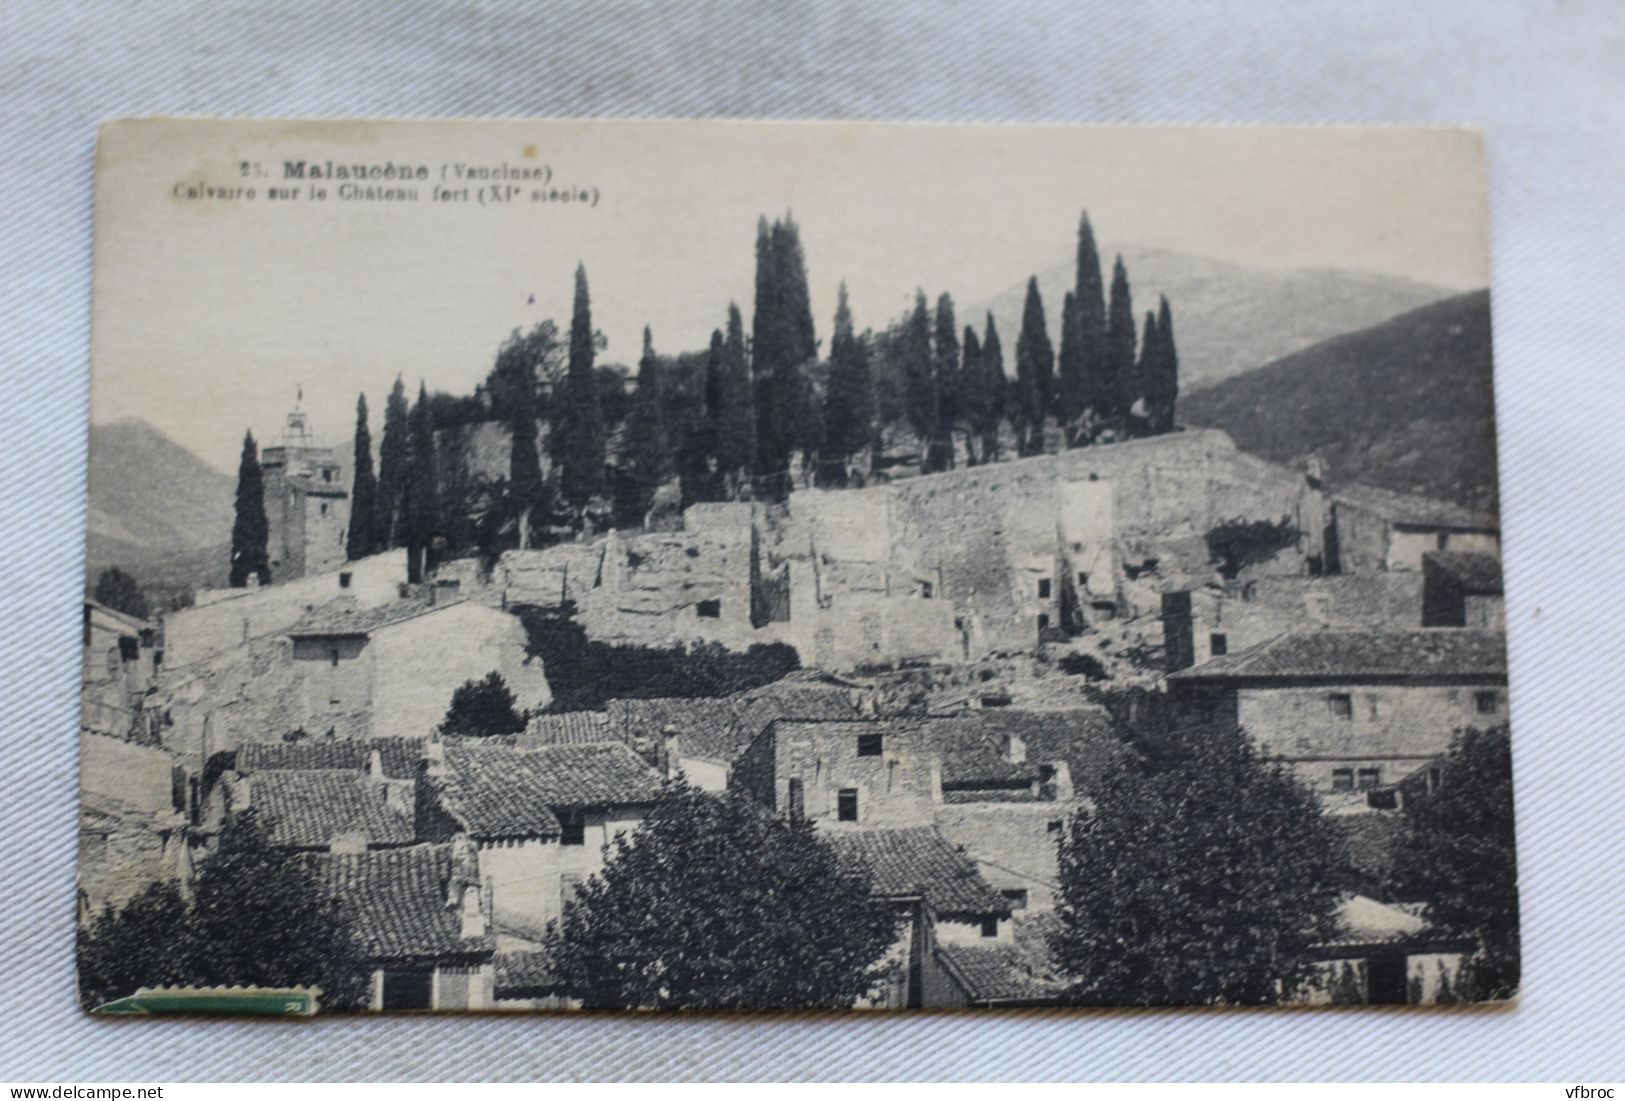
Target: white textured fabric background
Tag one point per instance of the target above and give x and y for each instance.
(1544, 80)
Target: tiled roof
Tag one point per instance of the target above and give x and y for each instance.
(400, 756)
(500, 791)
(973, 757)
(919, 862)
(1414, 511)
(309, 810)
(570, 728)
(344, 616)
(522, 974)
(706, 727)
(1474, 573)
(1085, 738)
(399, 899)
(1423, 652)
(1021, 971)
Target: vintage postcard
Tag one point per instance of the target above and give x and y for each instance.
(722, 565)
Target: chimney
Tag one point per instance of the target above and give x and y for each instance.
(375, 766)
(670, 755)
(240, 791)
(471, 916)
(936, 780)
(1015, 750)
(434, 758)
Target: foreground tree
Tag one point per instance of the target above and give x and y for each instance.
(483, 708)
(257, 917)
(1458, 855)
(120, 592)
(250, 531)
(713, 903)
(359, 541)
(1207, 879)
(394, 469)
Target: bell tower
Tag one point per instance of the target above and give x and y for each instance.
(306, 500)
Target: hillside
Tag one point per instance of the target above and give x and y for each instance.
(1228, 318)
(155, 508)
(1406, 405)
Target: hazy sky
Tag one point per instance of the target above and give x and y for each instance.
(209, 313)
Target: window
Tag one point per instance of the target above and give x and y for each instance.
(1218, 643)
(1043, 621)
(990, 927)
(333, 656)
(1370, 778)
(572, 828)
(926, 591)
(324, 508)
(1083, 580)
(1016, 897)
(795, 801)
(1435, 777)
(1341, 705)
(709, 609)
(344, 580)
(1486, 703)
(1342, 779)
(1054, 827)
(128, 648)
(1043, 588)
(846, 805)
(327, 474)
(869, 745)
(1444, 540)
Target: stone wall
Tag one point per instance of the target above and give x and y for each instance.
(1013, 844)
(130, 820)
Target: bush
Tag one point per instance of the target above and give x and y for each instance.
(482, 709)
(1237, 543)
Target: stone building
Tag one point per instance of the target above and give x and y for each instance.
(120, 658)
(422, 920)
(538, 819)
(1461, 589)
(1351, 710)
(849, 774)
(134, 811)
(1378, 529)
(307, 502)
(325, 794)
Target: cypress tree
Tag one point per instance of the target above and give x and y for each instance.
(1090, 295)
(700, 471)
(973, 397)
(919, 378)
(250, 531)
(422, 519)
(1120, 373)
(581, 435)
(1072, 390)
(997, 389)
(647, 461)
(732, 407)
(1167, 393)
(1146, 381)
(394, 461)
(1035, 371)
(526, 487)
(946, 368)
(783, 344)
(849, 399)
(364, 490)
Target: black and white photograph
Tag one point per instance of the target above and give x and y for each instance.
(743, 566)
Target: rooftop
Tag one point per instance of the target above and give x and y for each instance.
(974, 744)
(310, 810)
(343, 616)
(525, 973)
(570, 728)
(920, 863)
(1414, 511)
(1008, 973)
(1363, 920)
(501, 791)
(400, 756)
(1353, 655)
(399, 900)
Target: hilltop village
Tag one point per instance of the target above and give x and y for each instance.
(957, 689)
(940, 629)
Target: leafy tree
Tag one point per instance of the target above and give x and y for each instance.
(363, 492)
(1458, 856)
(120, 592)
(1235, 544)
(713, 903)
(1035, 371)
(849, 398)
(394, 470)
(1207, 879)
(258, 917)
(422, 509)
(1119, 370)
(482, 708)
(919, 377)
(945, 366)
(250, 531)
(733, 409)
(580, 429)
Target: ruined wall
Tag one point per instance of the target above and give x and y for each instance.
(419, 663)
(223, 619)
(130, 820)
